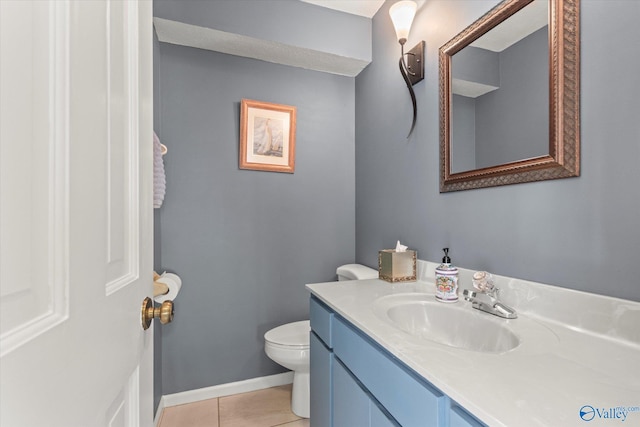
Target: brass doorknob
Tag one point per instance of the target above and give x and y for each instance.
(164, 312)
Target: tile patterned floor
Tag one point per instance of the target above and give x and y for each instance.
(263, 408)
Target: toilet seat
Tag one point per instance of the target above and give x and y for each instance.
(292, 335)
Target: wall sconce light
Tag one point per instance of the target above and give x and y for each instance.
(412, 69)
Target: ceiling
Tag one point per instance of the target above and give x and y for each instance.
(366, 8)
(527, 21)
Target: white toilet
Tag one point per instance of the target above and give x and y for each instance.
(288, 345)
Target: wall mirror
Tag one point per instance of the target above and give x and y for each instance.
(510, 97)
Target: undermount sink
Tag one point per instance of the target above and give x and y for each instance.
(454, 325)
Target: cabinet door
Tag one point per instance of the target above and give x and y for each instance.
(320, 383)
(350, 402)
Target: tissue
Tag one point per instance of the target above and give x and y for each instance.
(400, 247)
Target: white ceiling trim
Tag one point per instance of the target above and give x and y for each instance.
(182, 34)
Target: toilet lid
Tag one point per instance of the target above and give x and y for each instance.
(291, 334)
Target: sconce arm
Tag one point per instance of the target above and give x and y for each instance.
(404, 71)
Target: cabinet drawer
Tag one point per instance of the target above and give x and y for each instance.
(321, 316)
(411, 401)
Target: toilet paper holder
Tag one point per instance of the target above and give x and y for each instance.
(166, 286)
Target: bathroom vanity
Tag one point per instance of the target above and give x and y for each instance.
(357, 383)
(380, 356)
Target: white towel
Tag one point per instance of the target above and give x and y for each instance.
(159, 180)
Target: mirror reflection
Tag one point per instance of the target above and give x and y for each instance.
(500, 93)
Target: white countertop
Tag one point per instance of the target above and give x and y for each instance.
(586, 353)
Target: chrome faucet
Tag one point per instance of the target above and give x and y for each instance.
(487, 299)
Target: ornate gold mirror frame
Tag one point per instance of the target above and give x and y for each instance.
(563, 160)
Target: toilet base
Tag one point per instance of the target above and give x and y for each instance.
(300, 394)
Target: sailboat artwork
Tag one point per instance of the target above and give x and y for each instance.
(267, 136)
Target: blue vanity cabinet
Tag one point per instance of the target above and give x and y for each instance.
(337, 398)
(356, 383)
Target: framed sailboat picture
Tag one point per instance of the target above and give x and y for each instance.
(267, 136)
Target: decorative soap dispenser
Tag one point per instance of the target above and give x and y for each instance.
(446, 280)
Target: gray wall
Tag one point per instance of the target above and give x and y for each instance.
(477, 65)
(246, 242)
(463, 133)
(512, 123)
(580, 233)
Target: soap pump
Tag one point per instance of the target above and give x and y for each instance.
(446, 280)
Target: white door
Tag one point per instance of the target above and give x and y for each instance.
(75, 213)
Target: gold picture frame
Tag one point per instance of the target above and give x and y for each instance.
(267, 136)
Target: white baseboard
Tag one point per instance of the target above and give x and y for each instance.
(221, 390)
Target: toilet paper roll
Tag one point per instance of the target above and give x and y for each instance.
(173, 282)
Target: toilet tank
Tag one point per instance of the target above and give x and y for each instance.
(356, 272)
